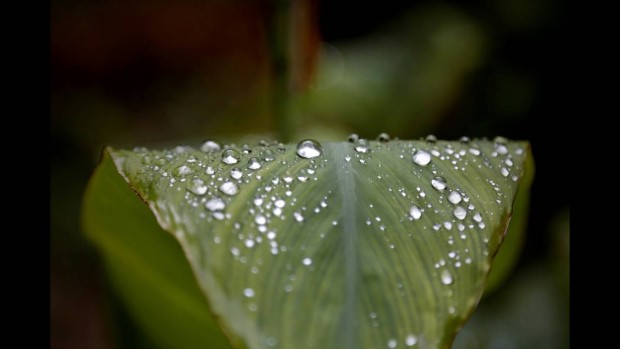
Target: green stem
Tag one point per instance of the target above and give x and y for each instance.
(279, 29)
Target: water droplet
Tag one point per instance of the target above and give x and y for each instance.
(454, 197)
(477, 217)
(383, 137)
(474, 151)
(298, 216)
(307, 261)
(504, 172)
(421, 157)
(210, 170)
(446, 277)
(197, 186)
(415, 212)
(439, 183)
(411, 340)
(392, 343)
(501, 149)
(268, 155)
(254, 164)
(431, 138)
(229, 188)
(183, 170)
(209, 146)
(353, 137)
(230, 156)
(260, 220)
(464, 140)
(271, 341)
(279, 203)
(309, 148)
(500, 140)
(361, 146)
(248, 292)
(460, 212)
(215, 204)
(236, 173)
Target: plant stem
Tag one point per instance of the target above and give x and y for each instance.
(279, 29)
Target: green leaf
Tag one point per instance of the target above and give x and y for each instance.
(355, 245)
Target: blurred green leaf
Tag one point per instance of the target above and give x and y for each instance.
(366, 245)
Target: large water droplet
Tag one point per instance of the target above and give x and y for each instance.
(353, 137)
(268, 155)
(421, 157)
(183, 170)
(210, 146)
(260, 220)
(197, 186)
(501, 149)
(215, 204)
(383, 137)
(454, 197)
(236, 173)
(460, 212)
(229, 188)
(309, 148)
(411, 340)
(439, 183)
(415, 212)
(254, 164)
(446, 277)
(361, 146)
(230, 156)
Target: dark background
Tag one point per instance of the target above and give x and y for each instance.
(165, 72)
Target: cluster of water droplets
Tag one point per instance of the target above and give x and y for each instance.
(213, 178)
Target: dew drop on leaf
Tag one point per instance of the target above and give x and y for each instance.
(411, 340)
(248, 292)
(210, 146)
(446, 277)
(415, 212)
(460, 212)
(361, 146)
(229, 188)
(309, 148)
(353, 137)
(183, 170)
(230, 156)
(215, 204)
(439, 183)
(197, 186)
(454, 197)
(383, 137)
(421, 158)
(254, 164)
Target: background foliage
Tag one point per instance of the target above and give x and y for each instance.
(158, 72)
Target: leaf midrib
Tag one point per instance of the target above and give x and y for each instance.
(346, 179)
